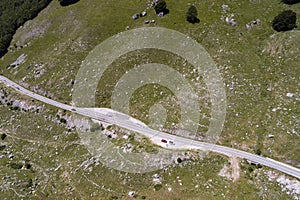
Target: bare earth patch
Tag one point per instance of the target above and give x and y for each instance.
(235, 166)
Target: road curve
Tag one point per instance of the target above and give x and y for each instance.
(125, 121)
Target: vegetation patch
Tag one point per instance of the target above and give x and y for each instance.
(259, 67)
(15, 13)
(191, 15)
(285, 21)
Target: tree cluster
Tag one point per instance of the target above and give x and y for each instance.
(191, 15)
(67, 2)
(13, 14)
(285, 21)
(290, 2)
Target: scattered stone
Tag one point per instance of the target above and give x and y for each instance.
(110, 134)
(71, 83)
(256, 21)
(143, 14)
(154, 2)
(127, 148)
(275, 109)
(225, 7)
(161, 14)
(290, 186)
(18, 62)
(231, 21)
(55, 137)
(135, 16)
(253, 23)
(131, 194)
(225, 172)
(156, 179)
(156, 176)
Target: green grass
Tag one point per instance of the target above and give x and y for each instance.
(247, 59)
(147, 95)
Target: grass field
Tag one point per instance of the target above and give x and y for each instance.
(259, 67)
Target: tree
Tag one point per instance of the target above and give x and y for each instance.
(161, 6)
(290, 2)
(285, 21)
(191, 15)
(67, 2)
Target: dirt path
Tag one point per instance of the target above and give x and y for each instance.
(235, 166)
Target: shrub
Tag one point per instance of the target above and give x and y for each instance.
(290, 2)
(161, 6)
(179, 160)
(258, 152)
(63, 121)
(285, 21)
(67, 2)
(191, 15)
(16, 165)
